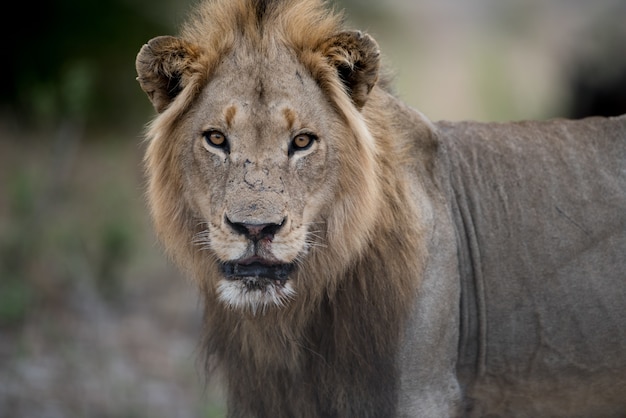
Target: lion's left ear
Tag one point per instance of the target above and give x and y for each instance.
(357, 58)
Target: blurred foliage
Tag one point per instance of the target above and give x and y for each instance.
(74, 59)
(18, 244)
(63, 223)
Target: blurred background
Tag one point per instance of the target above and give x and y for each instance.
(94, 321)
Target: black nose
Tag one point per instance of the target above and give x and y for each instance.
(256, 232)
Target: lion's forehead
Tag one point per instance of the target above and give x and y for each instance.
(272, 95)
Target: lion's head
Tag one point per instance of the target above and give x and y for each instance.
(259, 163)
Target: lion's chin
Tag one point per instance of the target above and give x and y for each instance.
(255, 287)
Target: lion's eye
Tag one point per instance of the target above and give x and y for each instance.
(302, 142)
(216, 139)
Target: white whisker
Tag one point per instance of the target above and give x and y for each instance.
(202, 239)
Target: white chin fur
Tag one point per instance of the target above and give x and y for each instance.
(235, 294)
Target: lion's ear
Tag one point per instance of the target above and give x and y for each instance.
(357, 58)
(163, 68)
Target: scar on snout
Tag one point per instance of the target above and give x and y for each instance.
(229, 115)
(290, 116)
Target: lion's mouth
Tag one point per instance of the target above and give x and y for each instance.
(255, 284)
(257, 274)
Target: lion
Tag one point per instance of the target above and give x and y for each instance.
(356, 259)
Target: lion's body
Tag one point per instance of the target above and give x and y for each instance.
(357, 260)
(539, 210)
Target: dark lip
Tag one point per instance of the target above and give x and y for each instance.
(257, 270)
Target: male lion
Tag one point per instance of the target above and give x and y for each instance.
(357, 260)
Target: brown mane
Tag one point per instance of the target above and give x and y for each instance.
(333, 353)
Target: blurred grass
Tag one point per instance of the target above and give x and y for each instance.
(67, 214)
(16, 244)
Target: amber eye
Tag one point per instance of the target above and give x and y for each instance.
(301, 142)
(216, 139)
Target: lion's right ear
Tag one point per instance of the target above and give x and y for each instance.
(356, 57)
(164, 66)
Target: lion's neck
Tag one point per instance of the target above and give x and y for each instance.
(337, 359)
(317, 371)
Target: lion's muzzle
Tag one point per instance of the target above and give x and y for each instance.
(260, 266)
(256, 264)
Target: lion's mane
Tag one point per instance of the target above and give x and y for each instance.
(328, 351)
